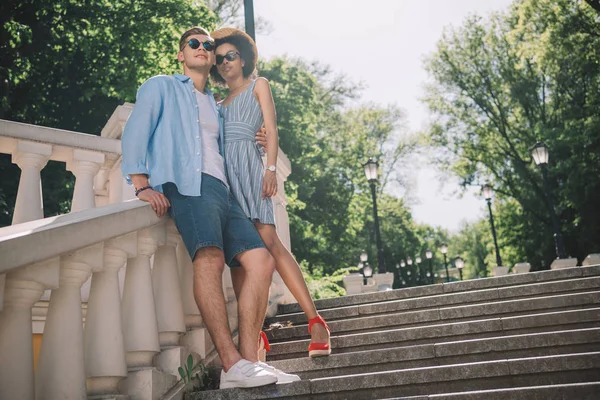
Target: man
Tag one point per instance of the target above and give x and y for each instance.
(172, 153)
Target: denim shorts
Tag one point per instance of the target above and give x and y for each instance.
(212, 219)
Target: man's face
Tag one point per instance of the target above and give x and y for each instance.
(199, 58)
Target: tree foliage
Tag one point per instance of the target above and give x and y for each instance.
(68, 64)
(502, 84)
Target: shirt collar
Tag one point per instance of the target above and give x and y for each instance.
(185, 78)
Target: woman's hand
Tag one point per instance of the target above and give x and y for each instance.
(269, 184)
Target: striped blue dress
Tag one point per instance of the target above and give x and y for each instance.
(245, 170)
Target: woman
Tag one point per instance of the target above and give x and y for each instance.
(247, 107)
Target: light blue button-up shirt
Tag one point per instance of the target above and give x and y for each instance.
(162, 136)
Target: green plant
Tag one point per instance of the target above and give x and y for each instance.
(198, 373)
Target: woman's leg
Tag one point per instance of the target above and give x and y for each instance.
(290, 272)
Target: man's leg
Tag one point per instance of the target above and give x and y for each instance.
(208, 292)
(253, 297)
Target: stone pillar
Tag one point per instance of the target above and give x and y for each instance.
(384, 281)
(140, 327)
(23, 288)
(353, 284)
(103, 336)
(192, 316)
(115, 184)
(61, 371)
(31, 157)
(84, 165)
(167, 292)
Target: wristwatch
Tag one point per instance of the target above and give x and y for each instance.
(272, 168)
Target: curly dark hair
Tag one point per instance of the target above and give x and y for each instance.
(246, 53)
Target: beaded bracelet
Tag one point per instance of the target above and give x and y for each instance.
(141, 190)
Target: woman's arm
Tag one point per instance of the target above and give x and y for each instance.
(263, 94)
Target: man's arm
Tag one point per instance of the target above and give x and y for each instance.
(135, 141)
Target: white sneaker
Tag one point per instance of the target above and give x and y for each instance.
(244, 374)
(282, 377)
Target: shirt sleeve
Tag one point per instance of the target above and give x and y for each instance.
(139, 129)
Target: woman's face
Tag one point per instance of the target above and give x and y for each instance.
(229, 62)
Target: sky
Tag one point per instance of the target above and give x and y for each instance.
(381, 43)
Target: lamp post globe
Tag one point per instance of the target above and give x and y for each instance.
(364, 257)
(540, 153)
(367, 271)
(460, 263)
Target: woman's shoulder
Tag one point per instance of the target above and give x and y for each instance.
(261, 86)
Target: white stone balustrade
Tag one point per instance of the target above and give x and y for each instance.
(103, 234)
(140, 325)
(167, 292)
(104, 353)
(23, 288)
(31, 157)
(60, 372)
(84, 165)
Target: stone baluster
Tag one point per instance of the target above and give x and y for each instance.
(22, 289)
(192, 316)
(103, 342)
(85, 165)
(31, 157)
(167, 292)
(140, 327)
(61, 372)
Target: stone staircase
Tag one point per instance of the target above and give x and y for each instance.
(524, 336)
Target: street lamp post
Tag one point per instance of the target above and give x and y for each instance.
(371, 173)
(540, 155)
(429, 256)
(460, 263)
(444, 250)
(488, 192)
(419, 274)
(409, 262)
(249, 18)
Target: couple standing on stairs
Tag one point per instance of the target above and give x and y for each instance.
(199, 161)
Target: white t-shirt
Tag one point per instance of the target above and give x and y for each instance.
(212, 161)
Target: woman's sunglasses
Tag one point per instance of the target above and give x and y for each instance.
(209, 45)
(229, 56)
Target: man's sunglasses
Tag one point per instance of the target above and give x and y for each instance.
(209, 45)
(229, 56)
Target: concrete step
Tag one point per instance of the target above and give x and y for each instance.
(440, 300)
(573, 391)
(497, 374)
(447, 331)
(469, 285)
(391, 317)
(443, 353)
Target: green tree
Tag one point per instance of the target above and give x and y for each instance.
(68, 64)
(503, 83)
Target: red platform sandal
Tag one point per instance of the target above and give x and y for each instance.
(319, 349)
(263, 346)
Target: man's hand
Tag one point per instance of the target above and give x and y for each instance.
(261, 138)
(157, 200)
(269, 184)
